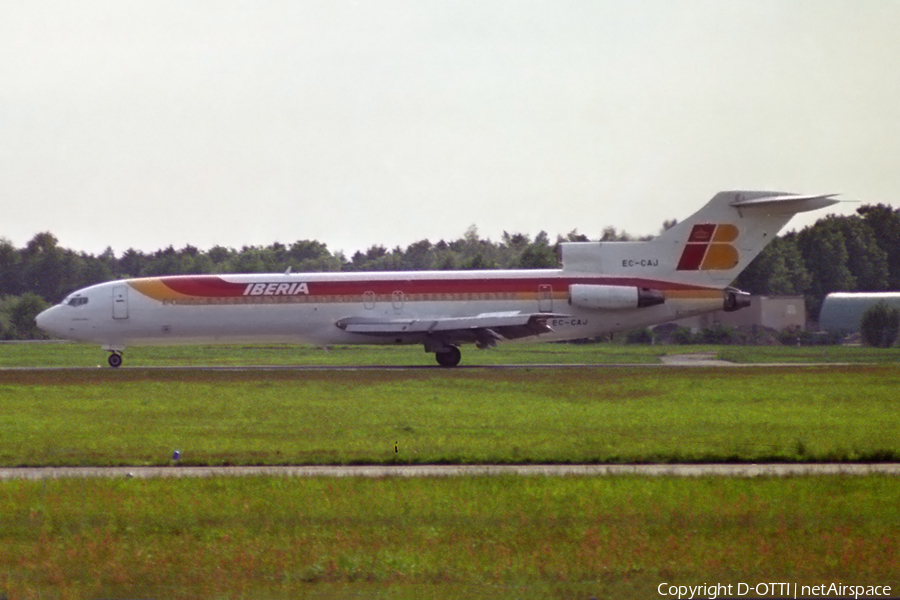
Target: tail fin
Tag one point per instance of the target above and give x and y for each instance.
(710, 248)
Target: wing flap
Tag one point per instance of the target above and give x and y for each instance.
(498, 325)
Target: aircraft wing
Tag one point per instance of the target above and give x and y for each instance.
(484, 329)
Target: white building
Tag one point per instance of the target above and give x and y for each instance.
(774, 312)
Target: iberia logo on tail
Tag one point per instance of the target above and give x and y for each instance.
(709, 248)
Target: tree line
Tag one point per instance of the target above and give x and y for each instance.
(855, 253)
(860, 252)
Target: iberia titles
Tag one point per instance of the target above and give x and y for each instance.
(276, 289)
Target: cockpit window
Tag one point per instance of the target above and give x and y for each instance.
(77, 301)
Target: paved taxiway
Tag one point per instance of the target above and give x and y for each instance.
(381, 471)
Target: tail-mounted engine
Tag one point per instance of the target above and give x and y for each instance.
(735, 299)
(613, 297)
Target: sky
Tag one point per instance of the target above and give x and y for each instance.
(147, 124)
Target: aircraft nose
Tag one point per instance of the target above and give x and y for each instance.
(48, 321)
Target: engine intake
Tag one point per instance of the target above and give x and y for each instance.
(613, 297)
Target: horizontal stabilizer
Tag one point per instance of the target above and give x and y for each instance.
(786, 203)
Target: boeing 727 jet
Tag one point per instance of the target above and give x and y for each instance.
(602, 287)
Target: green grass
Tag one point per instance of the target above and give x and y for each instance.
(808, 354)
(621, 414)
(504, 537)
(79, 355)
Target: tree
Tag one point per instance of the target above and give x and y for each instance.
(20, 317)
(867, 262)
(10, 268)
(220, 256)
(49, 271)
(303, 250)
(446, 261)
(879, 325)
(96, 269)
(884, 222)
(611, 234)
(574, 236)
(133, 263)
(477, 262)
(164, 262)
(248, 260)
(777, 270)
(418, 256)
(539, 254)
(825, 257)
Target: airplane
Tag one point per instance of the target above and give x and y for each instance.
(601, 288)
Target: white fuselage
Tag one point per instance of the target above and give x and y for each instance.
(305, 307)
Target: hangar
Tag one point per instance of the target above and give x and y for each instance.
(842, 311)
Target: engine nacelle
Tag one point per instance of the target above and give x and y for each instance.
(735, 299)
(613, 297)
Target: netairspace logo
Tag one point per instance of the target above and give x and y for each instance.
(711, 591)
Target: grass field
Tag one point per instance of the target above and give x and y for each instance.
(621, 414)
(808, 354)
(80, 355)
(507, 537)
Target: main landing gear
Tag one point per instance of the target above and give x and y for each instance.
(448, 357)
(115, 359)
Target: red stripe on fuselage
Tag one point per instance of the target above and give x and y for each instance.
(211, 286)
(474, 286)
(207, 286)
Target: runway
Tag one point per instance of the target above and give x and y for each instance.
(406, 471)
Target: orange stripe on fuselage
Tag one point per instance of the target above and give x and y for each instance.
(155, 288)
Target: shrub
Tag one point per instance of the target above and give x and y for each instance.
(17, 315)
(683, 336)
(639, 336)
(790, 336)
(795, 336)
(719, 334)
(879, 325)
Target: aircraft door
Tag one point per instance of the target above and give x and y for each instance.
(545, 298)
(120, 302)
